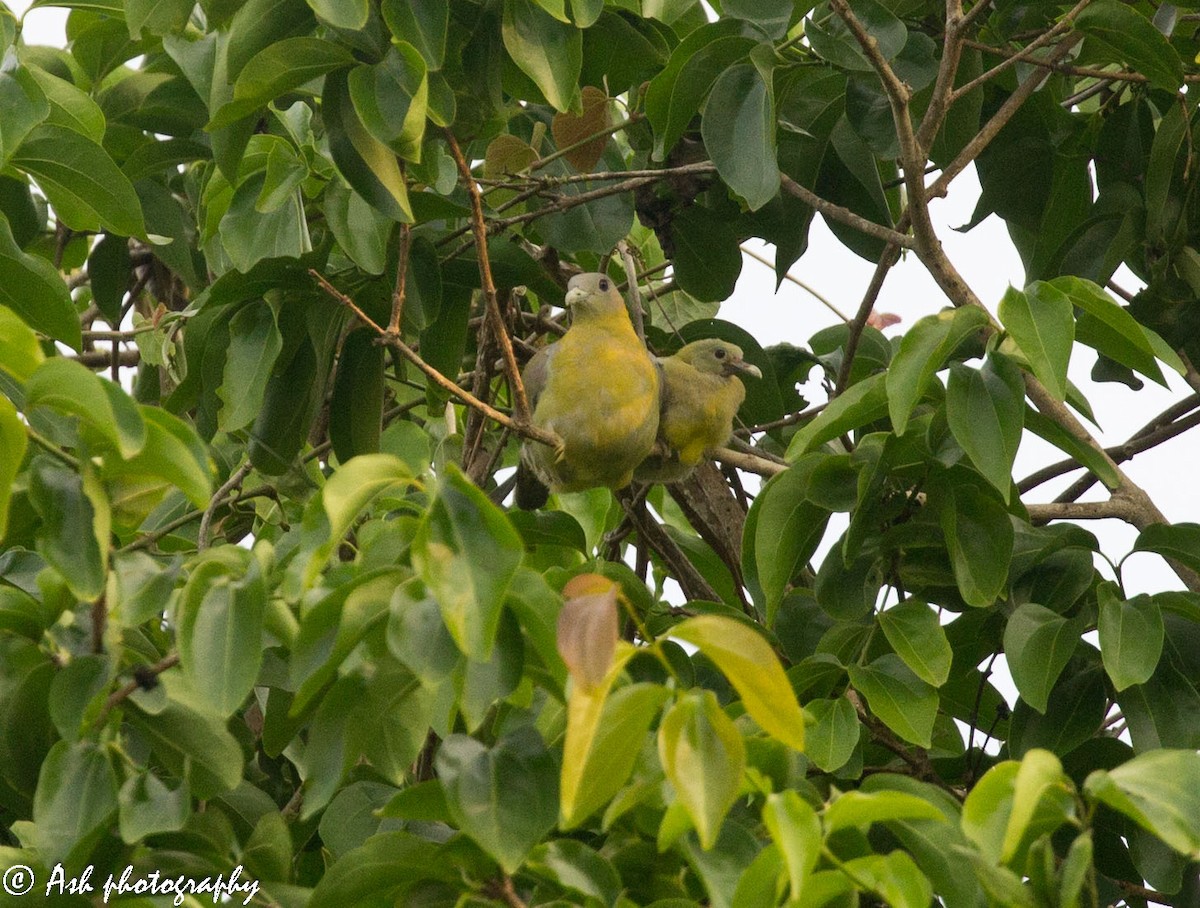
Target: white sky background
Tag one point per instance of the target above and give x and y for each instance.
(988, 261)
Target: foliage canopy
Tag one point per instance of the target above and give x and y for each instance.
(265, 605)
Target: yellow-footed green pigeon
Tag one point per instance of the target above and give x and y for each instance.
(701, 395)
(597, 389)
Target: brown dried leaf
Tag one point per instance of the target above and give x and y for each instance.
(588, 628)
(567, 129)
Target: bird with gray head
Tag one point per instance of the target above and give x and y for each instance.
(702, 391)
(597, 389)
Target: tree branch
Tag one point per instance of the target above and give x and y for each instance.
(488, 285)
(1163, 427)
(845, 215)
(525, 430)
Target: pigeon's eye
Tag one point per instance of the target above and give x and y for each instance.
(719, 353)
(603, 284)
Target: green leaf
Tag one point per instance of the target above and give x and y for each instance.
(830, 741)
(348, 14)
(913, 630)
(674, 95)
(191, 741)
(986, 412)
(747, 660)
(391, 98)
(796, 831)
(1131, 636)
(550, 52)
(832, 39)
(1132, 39)
(20, 352)
(1179, 541)
(219, 633)
(506, 797)
(353, 486)
(360, 230)
(1041, 322)
(783, 529)
(738, 128)
(424, 25)
(83, 184)
(25, 106)
(577, 868)
(1158, 790)
(69, 106)
(254, 344)
(597, 758)
(704, 757)
(32, 288)
(276, 70)
(159, 17)
(368, 165)
(862, 809)
(12, 452)
(905, 703)
(894, 876)
(979, 538)
(707, 259)
(333, 627)
(106, 413)
(356, 405)
(379, 866)
(858, 405)
(1111, 330)
(148, 806)
(109, 268)
(1038, 643)
(1016, 803)
(467, 552)
(173, 452)
(68, 538)
(923, 351)
(76, 797)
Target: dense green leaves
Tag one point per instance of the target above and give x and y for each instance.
(263, 598)
(1134, 40)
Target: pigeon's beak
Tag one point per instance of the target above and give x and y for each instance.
(741, 367)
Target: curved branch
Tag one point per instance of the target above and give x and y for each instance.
(488, 285)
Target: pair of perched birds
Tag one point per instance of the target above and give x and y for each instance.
(608, 400)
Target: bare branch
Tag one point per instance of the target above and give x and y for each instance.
(488, 285)
(845, 215)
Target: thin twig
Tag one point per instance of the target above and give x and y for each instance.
(635, 294)
(749, 462)
(488, 285)
(1164, 426)
(788, 276)
(233, 482)
(145, 676)
(890, 256)
(400, 291)
(525, 430)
